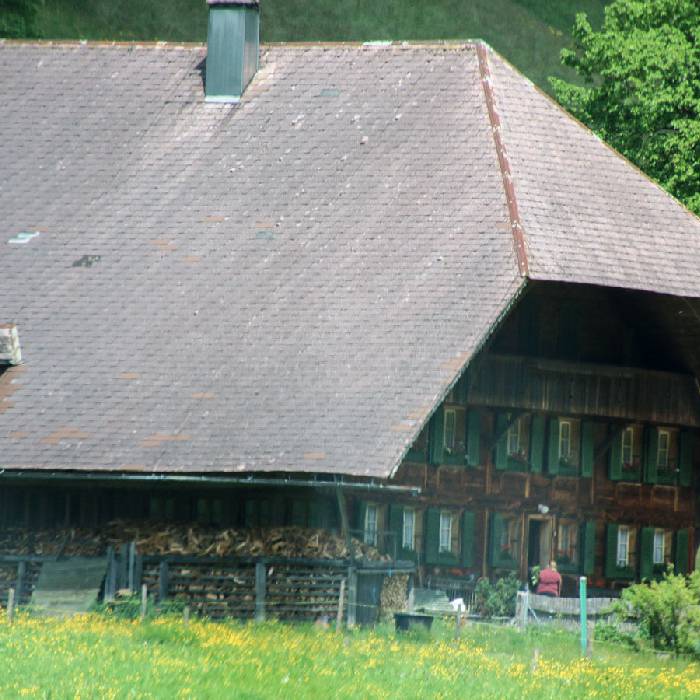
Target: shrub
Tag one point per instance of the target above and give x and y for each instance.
(667, 611)
(497, 599)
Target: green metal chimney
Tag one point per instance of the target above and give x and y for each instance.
(233, 41)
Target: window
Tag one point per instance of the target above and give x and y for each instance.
(659, 547)
(631, 447)
(567, 542)
(445, 531)
(409, 529)
(454, 432)
(623, 546)
(514, 438)
(667, 443)
(627, 445)
(565, 440)
(509, 537)
(518, 438)
(662, 449)
(371, 524)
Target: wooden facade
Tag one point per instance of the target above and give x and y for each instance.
(572, 435)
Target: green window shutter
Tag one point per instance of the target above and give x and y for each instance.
(432, 536)
(502, 442)
(646, 550)
(537, 428)
(611, 552)
(437, 427)
(496, 532)
(473, 438)
(467, 538)
(685, 460)
(553, 460)
(588, 551)
(587, 448)
(681, 562)
(651, 475)
(615, 471)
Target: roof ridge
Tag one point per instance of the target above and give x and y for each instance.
(152, 43)
(516, 224)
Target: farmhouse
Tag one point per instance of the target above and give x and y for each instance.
(389, 290)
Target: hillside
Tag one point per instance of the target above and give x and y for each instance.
(530, 33)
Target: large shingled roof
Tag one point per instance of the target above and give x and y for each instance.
(294, 282)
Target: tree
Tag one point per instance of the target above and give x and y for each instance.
(641, 91)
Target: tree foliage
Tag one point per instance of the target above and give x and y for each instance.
(17, 18)
(641, 90)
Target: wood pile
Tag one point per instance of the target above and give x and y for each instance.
(394, 595)
(153, 538)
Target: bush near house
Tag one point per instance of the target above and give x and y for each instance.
(667, 613)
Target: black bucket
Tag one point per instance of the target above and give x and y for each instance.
(405, 621)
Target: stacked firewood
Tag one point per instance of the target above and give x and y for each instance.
(190, 539)
(394, 595)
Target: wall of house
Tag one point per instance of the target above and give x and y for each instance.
(571, 371)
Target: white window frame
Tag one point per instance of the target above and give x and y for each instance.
(408, 537)
(449, 444)
(623, 546)
(628, 432)
(659, 555)
(371, 525)
(445, 536)
(565, 432)
(662, 453)
(514, 437)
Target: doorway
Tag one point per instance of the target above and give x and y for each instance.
(539, 541)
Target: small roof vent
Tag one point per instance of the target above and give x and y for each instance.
(10, 353)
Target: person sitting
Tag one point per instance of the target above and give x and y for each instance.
(550, 581)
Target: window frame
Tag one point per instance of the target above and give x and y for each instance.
(623, 543)
(659, 536)
(408, 544)
(446, 516)
(371, 536)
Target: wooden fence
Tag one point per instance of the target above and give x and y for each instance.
(239, 587)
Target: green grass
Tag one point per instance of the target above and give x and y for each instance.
(94, 657)
(530, 33)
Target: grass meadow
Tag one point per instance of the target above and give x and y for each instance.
(92, 656)
(530, 33)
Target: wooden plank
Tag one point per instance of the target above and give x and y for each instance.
(260, 586)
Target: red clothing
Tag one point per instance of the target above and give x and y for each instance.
(550, 582)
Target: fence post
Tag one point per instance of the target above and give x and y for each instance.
(582, 592)
(163, 574)
(260, 589)
(341, 601)
(522, 603)
(352, 596)
(131, 553)
(123, 572)
(11, 605)
(186, 615)
(19, 585)
(144, 601)
(111, 577)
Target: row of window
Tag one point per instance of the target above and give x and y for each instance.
(523, 441)
(448, 539)
(645, 552)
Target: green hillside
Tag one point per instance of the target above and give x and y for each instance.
(530, 33)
